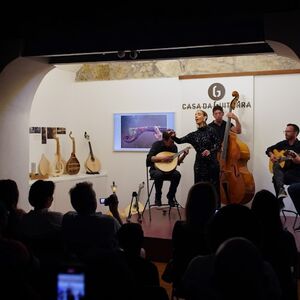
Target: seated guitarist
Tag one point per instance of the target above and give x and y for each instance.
(290, 172)
(166, 144)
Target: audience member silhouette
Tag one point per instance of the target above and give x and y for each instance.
(278, 245)
(16, 265)
(238, 271)
(131, 239)
(9, 196)
(232, 220)
(86, 231)
(41, 232)
(189, 236)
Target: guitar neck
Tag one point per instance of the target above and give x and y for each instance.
(57, 148)
(73, 146)
(225, 140)
(91, 151)
(180, 152)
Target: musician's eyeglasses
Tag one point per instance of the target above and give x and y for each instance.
(288, 131)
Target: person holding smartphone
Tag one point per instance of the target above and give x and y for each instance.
(85, 229)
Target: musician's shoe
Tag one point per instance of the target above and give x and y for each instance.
(171, 202)
(282, 194)
(157, 202)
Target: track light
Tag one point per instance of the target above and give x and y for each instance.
(121, 54)
(133, 54)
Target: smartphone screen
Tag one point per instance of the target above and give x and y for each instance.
(70, 285)
(102, 200)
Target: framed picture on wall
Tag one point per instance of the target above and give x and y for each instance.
(138, 131)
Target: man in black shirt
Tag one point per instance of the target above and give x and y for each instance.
(219, 124)
(166, 144)
(289, 171)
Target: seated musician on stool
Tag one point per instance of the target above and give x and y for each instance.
(166, 144)
(289, 173)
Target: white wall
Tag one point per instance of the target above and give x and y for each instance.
(89, 106)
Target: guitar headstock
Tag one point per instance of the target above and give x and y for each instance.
(233, 102)
(141, 185)
(70, 135)
(86, 136)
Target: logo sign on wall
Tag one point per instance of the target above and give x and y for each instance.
(216, 91)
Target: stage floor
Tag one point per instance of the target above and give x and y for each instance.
(158, 230)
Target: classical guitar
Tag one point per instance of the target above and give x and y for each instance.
(135, 206)
(58, 166)
(282, 156)
(169, 166)
(92, 164)
(73, 165)
(44, 166)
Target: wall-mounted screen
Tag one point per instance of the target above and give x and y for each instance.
(138, 131)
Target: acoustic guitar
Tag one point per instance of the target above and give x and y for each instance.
(169, 166)
(92, 164)
(73, 165)
(58, 166)
(135, 206)
(282, 156)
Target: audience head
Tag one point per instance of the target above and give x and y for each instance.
(266, 208)
(9, 193)
(131, 237)
(3, 218)
(41, 194)
(201, 204)
(83, 198)
(238, 266)
(233, 220)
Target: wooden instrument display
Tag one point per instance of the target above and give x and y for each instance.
(58, 166)
(92, 164)
(135, 206)
(44, 166)
(169, 166)
(73, 165)
(236, 182)
(282, 156)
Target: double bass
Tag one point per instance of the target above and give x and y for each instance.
(236, 182)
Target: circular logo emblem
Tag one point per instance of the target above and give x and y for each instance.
(216, 91)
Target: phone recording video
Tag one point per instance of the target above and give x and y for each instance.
(71, 284)
(102, 201)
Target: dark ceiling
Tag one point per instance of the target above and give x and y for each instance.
(95, 33)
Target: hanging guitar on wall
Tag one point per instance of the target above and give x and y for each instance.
(73, 165)
(92, 164)
(58, 166)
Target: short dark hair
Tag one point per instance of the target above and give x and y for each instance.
(296, 128)
(39, 193)
(166, 135)
(83, 198)
(217, 107)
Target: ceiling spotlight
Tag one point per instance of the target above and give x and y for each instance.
(121, 54)
(133, 54)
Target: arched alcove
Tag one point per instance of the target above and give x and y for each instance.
(18, 84)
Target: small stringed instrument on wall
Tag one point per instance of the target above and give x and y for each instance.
(73, 165)
(58, 167)
(92, 164)
(169, 166)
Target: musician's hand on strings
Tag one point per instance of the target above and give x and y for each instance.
(167, 159)
(205, 153)
(273, 158)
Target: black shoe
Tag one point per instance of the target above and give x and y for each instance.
(158, 202)
(282, 194)
(171, 202)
